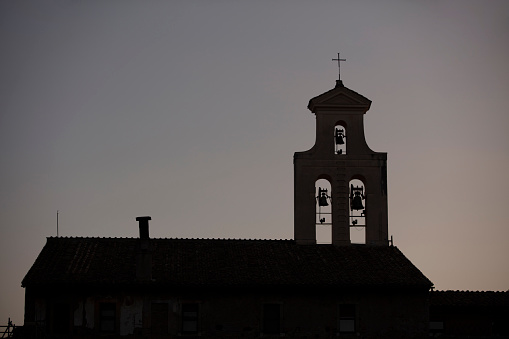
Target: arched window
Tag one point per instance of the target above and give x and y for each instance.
(323, 222)
(357, 204)
(340, 138)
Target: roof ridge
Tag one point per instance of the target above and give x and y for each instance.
(468, 291)
(82, 237)
(231, 239)
(172, 238)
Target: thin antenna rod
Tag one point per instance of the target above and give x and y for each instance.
(57, 223)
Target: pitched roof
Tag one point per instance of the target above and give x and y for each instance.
(339, 98)
(215, 262)
(469, 298)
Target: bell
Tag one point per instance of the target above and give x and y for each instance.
(322, 200)
(339, 140)
(322, 197)
(357, 202)
(339, 137)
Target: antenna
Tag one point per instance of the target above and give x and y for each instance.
(57, 223)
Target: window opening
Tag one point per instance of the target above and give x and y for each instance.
(159, 321)
(339, 139)
(357, 212)
(107, 314)
(436, 322)
(436, 326)
(61, 318)
(346, 318)
(323, 219)
(190, 318)
(358, 235)
(271, 318)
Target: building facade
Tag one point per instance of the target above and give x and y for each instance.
(88, 287)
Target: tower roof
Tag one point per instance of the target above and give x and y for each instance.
(340, 98)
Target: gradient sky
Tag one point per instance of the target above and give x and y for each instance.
(190, 112)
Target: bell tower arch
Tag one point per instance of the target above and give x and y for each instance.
(341, 154)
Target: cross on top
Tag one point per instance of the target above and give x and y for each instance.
(339, 66)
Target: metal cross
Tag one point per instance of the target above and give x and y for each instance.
(339, 66)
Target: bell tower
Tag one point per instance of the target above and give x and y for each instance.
(340, 184)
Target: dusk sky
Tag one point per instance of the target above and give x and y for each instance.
(190, 112)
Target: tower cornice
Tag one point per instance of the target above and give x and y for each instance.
(339, 99)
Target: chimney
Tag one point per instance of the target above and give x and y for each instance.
(143, 222)
(144, 252)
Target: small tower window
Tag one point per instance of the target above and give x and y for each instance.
(357, 199)
(340, 138)
(323, 212)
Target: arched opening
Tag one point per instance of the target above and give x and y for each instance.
(340, 138)
(323, 219)
(357, 204)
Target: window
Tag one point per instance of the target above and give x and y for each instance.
(159, 321)
(61, 318)
(271, 319)
(107, 317)
(436, 326)
(190, 318)
(357, 211)
(347, 318)
(323, 219)
(340, 138)
(436, 321)
(500, 325)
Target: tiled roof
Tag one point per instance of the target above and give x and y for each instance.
(215, 262)
(469, 298)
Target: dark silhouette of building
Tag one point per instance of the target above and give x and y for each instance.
(219, 288)
(355, 176)
(467, 314)
(165, 288)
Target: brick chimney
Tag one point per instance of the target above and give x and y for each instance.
(144, 252)
(143, 222)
